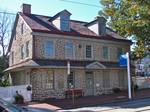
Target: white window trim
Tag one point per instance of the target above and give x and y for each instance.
(26, 49)
(91, 51)
(73, 51)
(53, 49)
(108, 53)
(22, 28)
(23, 55)
(109, 56)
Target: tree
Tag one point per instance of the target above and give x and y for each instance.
(6, 20)
(130, 18)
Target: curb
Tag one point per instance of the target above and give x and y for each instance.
(124, 100)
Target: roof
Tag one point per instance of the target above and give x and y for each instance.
(43, 24)
(47, 63)
(40, 23)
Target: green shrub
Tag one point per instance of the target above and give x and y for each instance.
(4, 83)
(135, 87)
(116, 90)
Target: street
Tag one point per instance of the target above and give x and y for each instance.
(141, 105)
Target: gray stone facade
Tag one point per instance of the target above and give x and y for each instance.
(52, 82)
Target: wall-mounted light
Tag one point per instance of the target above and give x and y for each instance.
(80, 46)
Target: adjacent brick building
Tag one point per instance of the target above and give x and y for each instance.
(41, 47)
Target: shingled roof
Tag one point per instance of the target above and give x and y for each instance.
(43, 24)
(40, 23)
(47, 63)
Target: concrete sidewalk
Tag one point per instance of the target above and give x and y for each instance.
(45, 105)
(57, 104)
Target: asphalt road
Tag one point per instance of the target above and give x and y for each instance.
(140, 105)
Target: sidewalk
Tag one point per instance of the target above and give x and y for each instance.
(95, 100)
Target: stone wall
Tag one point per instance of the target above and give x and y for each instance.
(80, 44)
(20, 39)
(40, 91)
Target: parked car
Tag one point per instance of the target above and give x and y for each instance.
(8, 107)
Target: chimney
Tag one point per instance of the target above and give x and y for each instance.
(101, 25)
(26, 8)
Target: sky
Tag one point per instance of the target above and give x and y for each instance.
(80, 11)
(51, 7)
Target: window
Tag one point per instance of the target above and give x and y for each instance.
(121, 79)
(71, 80)
(27, 49)
(88, 51)
(49, 81)
(105, 52)
(12, 57)
(106, 79)
(22, 25)
(49, 49)
(22, 51)
(69, 48)
(65, 23)
(119, 52)
(15, 34)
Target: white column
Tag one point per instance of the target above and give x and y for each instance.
(68, 67)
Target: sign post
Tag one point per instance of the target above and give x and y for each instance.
(129, 76)
(70, 86)
(125, 61)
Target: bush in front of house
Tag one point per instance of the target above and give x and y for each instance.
(135, 87)
(116, 90)
(19, 99)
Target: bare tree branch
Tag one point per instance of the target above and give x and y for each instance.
(5, 30)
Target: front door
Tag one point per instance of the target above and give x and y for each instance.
(89, 83)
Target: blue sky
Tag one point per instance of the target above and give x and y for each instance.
(51, 7)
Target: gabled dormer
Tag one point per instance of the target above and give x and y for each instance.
(98, 25)
(62, 20)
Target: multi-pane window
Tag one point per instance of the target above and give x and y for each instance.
(49, 81)
(22, 51)
(27, 49)
(69, 50)
(12, 57)
(106, 79)
(65, 23)
(14, 34)
(88, 51)
(49, 49)
(119, 52)
(121, 79)
(22, 28)
(71, 80)
(105, 52)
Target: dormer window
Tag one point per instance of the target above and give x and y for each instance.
(62, 20)
(98, 26)
(65, 23)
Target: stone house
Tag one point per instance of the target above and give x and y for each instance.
(42, 48)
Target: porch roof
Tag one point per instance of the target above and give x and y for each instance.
(47, 63)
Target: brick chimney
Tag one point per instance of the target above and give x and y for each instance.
(26, 8)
